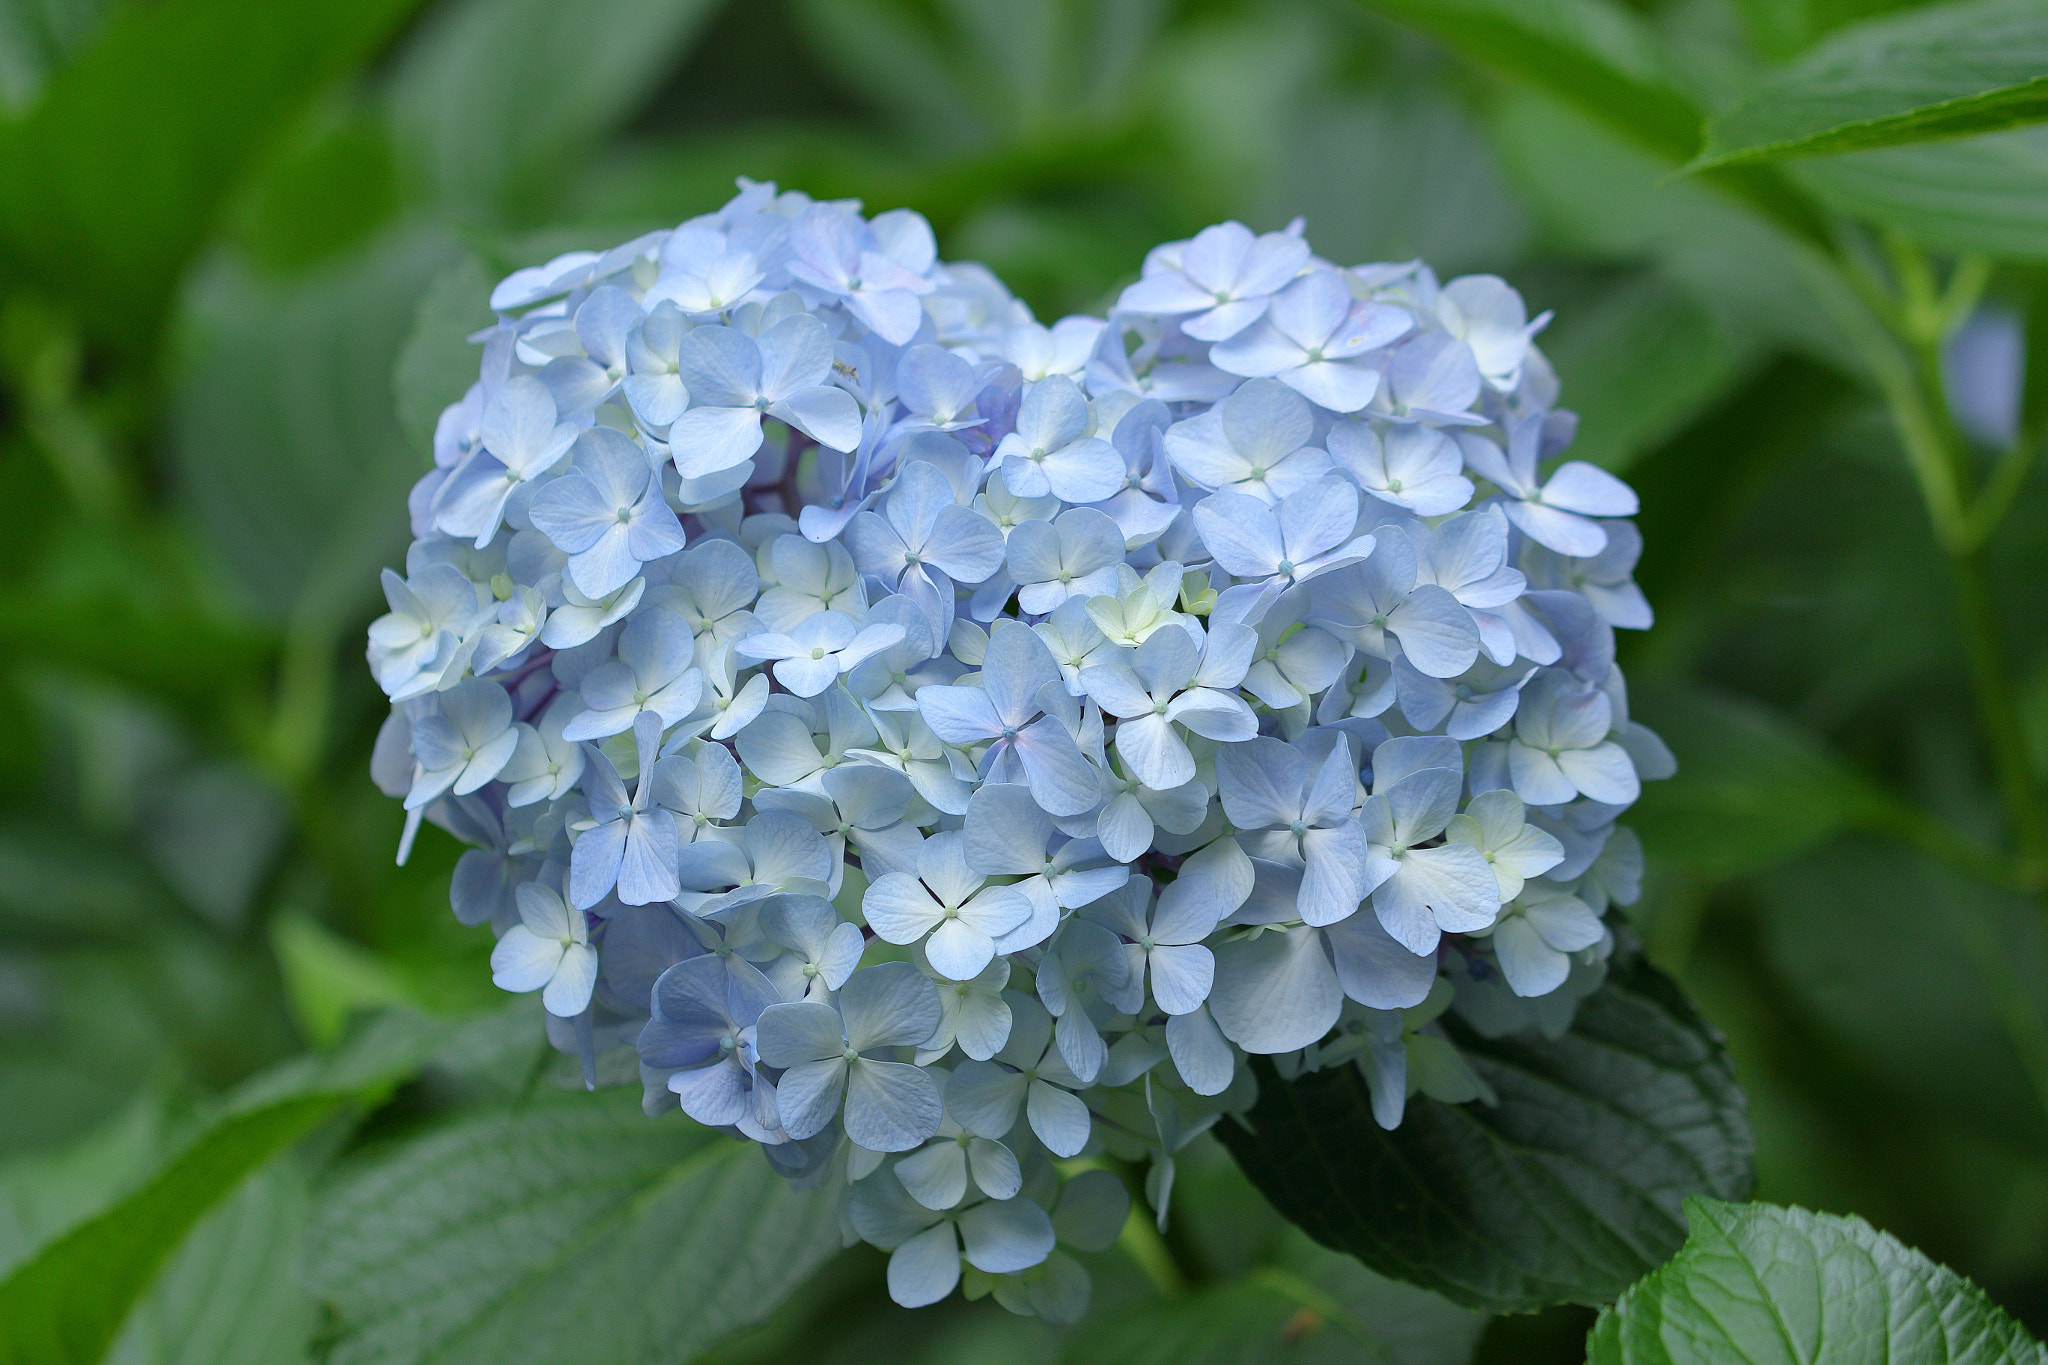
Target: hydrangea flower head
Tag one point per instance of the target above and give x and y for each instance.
(922, 739)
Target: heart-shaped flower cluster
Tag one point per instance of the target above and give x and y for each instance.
(938, 746)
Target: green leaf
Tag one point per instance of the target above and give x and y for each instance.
(1982, 194)
(117, 173)
(288, 459)
(1638, 361)
(1469, 220)
(66, 1304)
(1757, 788)
(1315, 1305)
(488, 111)
(329, 191)
(438, 362)
(1603, 197)
(1758, 1285)
(578, 1229)
(1948, 71)
(327, 977)
(231, 1294)
(1607, 64)
(1594, 55)
(1567, 1191)
(43, 1194)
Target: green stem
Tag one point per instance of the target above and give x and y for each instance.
(1920, 319)
(1995, 499)
(1905, 357)
(1998, 710)
(1141, 1241)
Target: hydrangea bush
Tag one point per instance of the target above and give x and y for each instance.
(941, 747)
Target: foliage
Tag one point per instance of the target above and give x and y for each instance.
(1513, 1206)
(1824, 367)
(1756, 1283)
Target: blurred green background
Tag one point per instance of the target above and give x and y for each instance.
(223, 223)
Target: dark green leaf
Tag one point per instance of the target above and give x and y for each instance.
(1757, 788)
(118, 172)
(1983, 194)
(489, 106)
(1943, 72)
(55, 879)
(65, 1305)
(574, 1230)
(1567, 1191)
(1757, 1285)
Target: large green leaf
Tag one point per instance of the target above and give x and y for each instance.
(495, 98)
(64, 1305)
(231, 1294)
(574, 1230)
(1568, 1190)
(1761, 1285)
(117, 173)
(44, 1193)
(1982, 194)
(289, 461)
(1943, 72)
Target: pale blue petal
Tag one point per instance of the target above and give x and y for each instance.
(924, 1269)
(1006, 1236)
(1275, 993)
